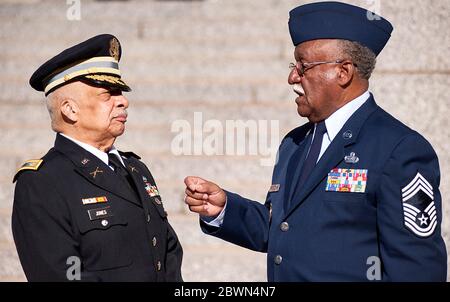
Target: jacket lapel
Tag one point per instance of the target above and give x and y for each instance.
(335, 152)
(136, 176)
(295, 165)
(93, 169)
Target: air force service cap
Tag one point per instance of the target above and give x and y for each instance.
(336, 20)
(94, 61)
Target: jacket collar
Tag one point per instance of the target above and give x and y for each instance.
(93, 169)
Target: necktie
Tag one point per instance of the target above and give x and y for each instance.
(120, 170)
(314, 152)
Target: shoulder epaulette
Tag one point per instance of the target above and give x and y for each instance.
(32, 164)
(129, 154)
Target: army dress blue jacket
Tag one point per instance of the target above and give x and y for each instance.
(372, 199)
(74, 206)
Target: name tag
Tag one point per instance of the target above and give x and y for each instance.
(99, 213)
(347, 180)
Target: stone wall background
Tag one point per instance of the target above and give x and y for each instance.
(227, 59)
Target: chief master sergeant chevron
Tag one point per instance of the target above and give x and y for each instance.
(353, 186)
(86, 211)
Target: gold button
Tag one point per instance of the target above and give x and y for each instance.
(158, 266)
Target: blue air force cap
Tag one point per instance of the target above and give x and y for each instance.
(94, 61)
(335, 20)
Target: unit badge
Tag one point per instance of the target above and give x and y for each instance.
(419, 211)
(352, 158)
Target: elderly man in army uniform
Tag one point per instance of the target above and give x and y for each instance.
(86, 211)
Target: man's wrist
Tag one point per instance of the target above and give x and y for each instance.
(216, 221)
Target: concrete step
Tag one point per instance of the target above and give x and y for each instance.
(145, 49)
(227, 69)
(6, 237)
(6, 192)
(176, 90)
(203, 252)
(10, 268)
(152, 10)
(175, 28)
(260, 25)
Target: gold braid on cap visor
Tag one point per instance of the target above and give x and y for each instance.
(95, 65)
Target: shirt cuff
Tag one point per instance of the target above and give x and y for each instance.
(215, 221)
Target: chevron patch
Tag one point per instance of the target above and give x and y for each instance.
(419, 211)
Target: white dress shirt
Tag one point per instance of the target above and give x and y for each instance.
(334, 124)
(103, 156)
(336, 121)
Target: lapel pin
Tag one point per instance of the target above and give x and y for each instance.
(352, 158)
(274, 188)
(94, 173)
(347, 134)
(133, 169)
(85, 161)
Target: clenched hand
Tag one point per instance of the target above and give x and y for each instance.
(204, 197)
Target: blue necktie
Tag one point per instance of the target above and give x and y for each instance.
(314, 152)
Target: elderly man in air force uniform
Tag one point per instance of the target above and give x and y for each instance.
(355, 193)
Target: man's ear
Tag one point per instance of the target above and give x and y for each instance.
(69, 110)
(346, 73)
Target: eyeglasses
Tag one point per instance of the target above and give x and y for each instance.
(301, 68)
